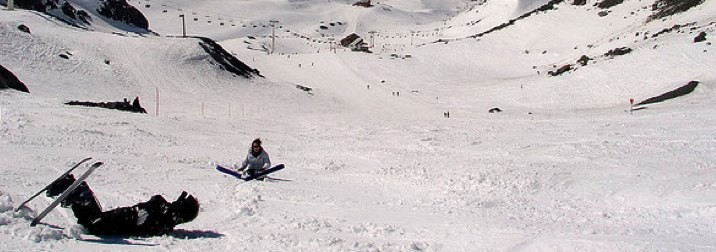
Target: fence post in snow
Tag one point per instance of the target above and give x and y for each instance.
(631, 105)
(156, 112)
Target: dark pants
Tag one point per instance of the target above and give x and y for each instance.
(253, 172)
(84, 205)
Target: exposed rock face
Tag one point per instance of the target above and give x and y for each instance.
(681, 91)
(24, 28)
(700, 38)
(606, 4)
(9, 80)
(665, 8)
(121, 11)
(363, 3)
(36, 5)
(227, 61)
(618, 51)
(118, 10)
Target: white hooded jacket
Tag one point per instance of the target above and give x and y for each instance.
(260, 162)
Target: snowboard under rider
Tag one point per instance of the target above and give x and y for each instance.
(257, 160)
(154, 217)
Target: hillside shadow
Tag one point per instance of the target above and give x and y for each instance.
(118, 241)
(194, 234)
(137, 241)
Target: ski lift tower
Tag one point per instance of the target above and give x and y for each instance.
(273, 35)
(372, 38)
(183, 26)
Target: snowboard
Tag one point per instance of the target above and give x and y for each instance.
(249, 178)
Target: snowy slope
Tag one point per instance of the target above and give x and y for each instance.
(564, 167)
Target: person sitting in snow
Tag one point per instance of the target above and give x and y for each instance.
(154, 217)
(257, 160)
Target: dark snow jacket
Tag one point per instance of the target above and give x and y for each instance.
(150, 218)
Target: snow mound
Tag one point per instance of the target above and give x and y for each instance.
(17, 223)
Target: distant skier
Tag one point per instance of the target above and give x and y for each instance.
(257, 160)
(154, 217)
(136, 107)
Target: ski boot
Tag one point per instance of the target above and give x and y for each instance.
(60, 185)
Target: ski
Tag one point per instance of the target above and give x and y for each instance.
(277, 179)
(65, 193)
(249, 178)
(45, 189)
(265, 172)
(228, 171)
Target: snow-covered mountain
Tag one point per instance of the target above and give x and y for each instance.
(391, 150)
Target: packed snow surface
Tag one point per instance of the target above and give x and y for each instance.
(373, 161)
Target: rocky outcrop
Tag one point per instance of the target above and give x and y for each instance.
(665, 8)
(227, 61)
(9, 80)
(606, 4)
(681, 91)
(363, 3)
(121, 11)
(69, 14)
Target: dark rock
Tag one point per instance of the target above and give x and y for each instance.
(618, 51)
(700, 38)
(23, 28)
(83, 16)
(494, 110)
(9, 80)
(681, 91)
(606, 4)
(583, 60)
(73, 13)
(363, 3)
(121, 11)
(226, 60)
(561, 70)
(665, 8)
(551, 5)
(64, 56)
(579, 2)
(36, 5)
(304, 88)
(68, 10)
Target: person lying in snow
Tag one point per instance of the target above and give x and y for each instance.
(257, 160)
(154, 217)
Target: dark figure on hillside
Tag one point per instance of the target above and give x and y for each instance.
(154, 217)
(136, 107)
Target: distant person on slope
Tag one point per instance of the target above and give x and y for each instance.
(154, 217)
(257, 160)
